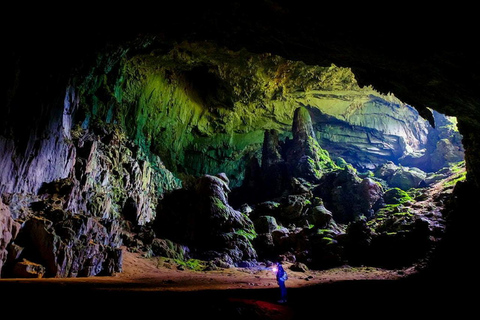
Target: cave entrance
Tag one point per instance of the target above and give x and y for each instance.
(353, 203)
(328, 172)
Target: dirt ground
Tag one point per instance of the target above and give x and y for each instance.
(162, 276)
(149, 288)
(154, 274)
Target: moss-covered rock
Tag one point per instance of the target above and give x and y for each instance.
(202, 219)
(169, 249)
(348, 196)
(399, 176)
(396, 196)
(304, 155)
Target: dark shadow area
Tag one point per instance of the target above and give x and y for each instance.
(411, 297)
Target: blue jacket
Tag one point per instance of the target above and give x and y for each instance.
(281, 274)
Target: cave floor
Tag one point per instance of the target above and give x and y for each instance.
(146, 288)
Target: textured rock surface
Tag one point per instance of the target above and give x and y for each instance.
(202, 219)
(303, 154)
(72, 246)
(348, 196)
(203, 108)
(284, 163)
(8, 231)
(70, 190)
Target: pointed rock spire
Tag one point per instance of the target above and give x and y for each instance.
(304, 155)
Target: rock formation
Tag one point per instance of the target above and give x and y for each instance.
(285, 161)
(8, 230)
(72, 226)
(172, 103)
(98, 141)
(348, 196)
(303, 154)
(202, 219)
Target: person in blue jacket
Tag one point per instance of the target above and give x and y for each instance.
(281, 278)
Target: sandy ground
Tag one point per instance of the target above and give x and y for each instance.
(153, 274)
(161, 276)
(137, 268)
(148, 288)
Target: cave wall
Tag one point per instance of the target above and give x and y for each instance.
(203, 108)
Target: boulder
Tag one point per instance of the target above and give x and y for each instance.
(348, 196)
(201, 218)
(281, 238)
(293, 207)
(265, 224)
(396, 196)
(299, 267)
(407, 178)
(400, 177)
(320, 216)
(169, 249)
(28, 269)
(71, 245)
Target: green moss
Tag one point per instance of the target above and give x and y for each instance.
(459, 174)
(453, 182)
(396, 196)
(191, 264)
(189, 127)
(249, 234)
(325, 232)
(219, 204)
(328, 241)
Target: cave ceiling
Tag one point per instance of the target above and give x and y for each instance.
(424, 56)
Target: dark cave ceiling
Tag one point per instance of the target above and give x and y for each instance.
(424, 56)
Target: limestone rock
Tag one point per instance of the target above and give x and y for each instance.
(8, 232)
(28, 269)
(287, 166)
(400, 177)
(303, 153)
(321, 216)
(169, 249)
(348, 196)
(202, 219)
(299, 267)
(265, 224)
(72, 245)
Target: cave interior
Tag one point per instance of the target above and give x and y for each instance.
(236, 133)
